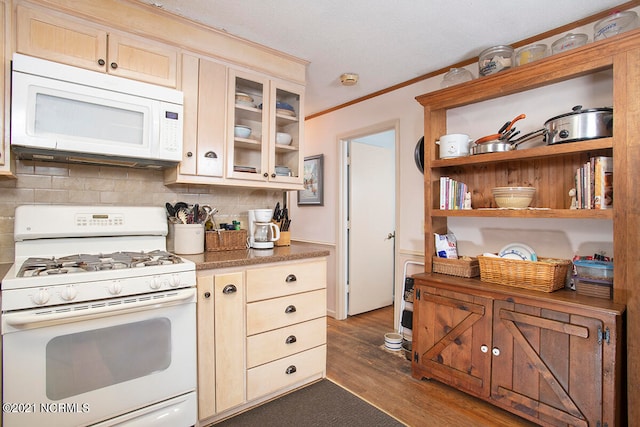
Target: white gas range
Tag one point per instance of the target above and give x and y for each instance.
(97, 318)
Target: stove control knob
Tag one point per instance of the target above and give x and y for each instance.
(155, 283)
(174, 281)
(114, 288)
(69, 293)
(41, 297)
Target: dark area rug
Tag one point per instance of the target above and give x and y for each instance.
(320, 404)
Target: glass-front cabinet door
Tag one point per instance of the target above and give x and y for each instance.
(265, 130)
(287, 115)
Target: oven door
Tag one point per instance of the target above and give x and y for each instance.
(86, 363)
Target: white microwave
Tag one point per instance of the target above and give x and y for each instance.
(64, 113)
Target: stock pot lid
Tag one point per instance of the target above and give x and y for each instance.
(579, 110)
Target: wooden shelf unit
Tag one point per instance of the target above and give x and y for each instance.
(551, 169)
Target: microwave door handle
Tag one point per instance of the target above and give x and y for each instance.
(30, 320)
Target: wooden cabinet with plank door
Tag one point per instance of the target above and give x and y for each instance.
(555, 364)
(553, 359)
(204, 84)
(221, 342)
(452, 328)
(59, 37)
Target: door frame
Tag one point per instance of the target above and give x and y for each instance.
(342, 211)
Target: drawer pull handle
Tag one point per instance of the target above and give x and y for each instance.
(290, 370)
(291, 278)
(229, 289)
(207, 295)
(291, 339)
(290, 309)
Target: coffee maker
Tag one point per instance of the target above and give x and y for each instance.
(262, 232)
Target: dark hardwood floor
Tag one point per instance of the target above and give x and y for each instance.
(357, 360)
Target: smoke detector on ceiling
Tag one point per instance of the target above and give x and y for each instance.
(349, 79)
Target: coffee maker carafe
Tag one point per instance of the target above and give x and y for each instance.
(262, 232)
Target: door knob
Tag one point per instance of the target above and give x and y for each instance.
(391, 236)
(495, 351)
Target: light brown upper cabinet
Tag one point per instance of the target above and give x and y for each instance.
(271, 109)
(50, 35)
(204, 84)
(4, 149)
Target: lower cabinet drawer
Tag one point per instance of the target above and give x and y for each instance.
(286, 279)
(265, 379)
(275, 313)
(283, 342)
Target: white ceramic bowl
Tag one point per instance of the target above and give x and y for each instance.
(242, 131)
(283, 138)
(393, 341)
(513, 197)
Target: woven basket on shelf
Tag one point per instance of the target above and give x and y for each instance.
(546, 274)
(461, 267)
(225, 240)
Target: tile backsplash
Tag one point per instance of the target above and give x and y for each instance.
(43, 183)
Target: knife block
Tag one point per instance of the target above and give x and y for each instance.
(284, 240)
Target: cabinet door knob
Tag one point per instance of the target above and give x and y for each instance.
(211, 155)
(189, 154)
(495, 351)
(101, 62)
(114, 65)
(207, 295)
(229, 289)
(273, 175)
(291, 369)
(290, 339)
(290, 309)
(291, 278)
(484, 348)
(266, 175)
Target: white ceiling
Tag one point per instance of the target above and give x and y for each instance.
(386, 42)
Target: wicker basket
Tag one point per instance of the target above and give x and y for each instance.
(546, 274)
(461, 267)
(225, 240)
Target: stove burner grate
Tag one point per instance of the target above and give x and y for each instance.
(69, 264)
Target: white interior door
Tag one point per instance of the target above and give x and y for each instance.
(371, 221)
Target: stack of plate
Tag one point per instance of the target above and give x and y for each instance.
(240, 168)
(283, 171)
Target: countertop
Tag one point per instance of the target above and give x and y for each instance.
(246, 257)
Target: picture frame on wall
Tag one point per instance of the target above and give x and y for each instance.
(313, 181)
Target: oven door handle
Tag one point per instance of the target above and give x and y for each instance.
(32, 320)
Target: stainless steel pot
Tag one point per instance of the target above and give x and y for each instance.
(579, 125)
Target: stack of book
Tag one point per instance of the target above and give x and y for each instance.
(594, 184)
(452, 193)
